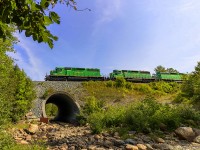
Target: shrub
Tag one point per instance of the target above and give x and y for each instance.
(144, 116)
(96, 122)
(92, 105)
(6, 140)
(144, 88)
(110, 83)
(120, 82)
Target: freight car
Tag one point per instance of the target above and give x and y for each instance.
(74, 74)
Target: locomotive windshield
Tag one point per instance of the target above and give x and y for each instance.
(117, 71)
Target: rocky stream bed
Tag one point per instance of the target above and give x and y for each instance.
(63, 136)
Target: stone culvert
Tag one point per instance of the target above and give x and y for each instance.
(67, 96)
(67, 107)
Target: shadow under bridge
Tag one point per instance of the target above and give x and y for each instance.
(67, 107)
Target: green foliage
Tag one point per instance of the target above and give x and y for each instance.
(166, 87)
(51, 110)
(160, 69)
(16, 89)
(144, 116)
(6, 140)
(190, 89)
(143, 88)
(92, 105)
(120, 82)
(110, 83)
(163, 69)
(96, 122)
(30, 16)
(23, 94)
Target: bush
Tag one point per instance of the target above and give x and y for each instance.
(96, 122)
(6, 140)
(92, 105)
(120, 82)
(165, 87)
(110, 83)
(144, 116)
(190, 88)
(144, 88)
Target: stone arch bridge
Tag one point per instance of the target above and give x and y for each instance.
(67, 96)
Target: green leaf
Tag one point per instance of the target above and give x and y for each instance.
(44, 3)
(47, 21)
(40, 39)
(27, 33)
(50, 43)
(55, 17)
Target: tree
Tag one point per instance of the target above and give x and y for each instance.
(171, 70)
(31, 16)
(6, 67)
(163, 69)
(16, 90)
(160, 69)
(191, 86)
(23, 94)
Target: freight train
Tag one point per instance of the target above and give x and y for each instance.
(87, 74)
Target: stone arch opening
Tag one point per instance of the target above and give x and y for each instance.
(67, 107)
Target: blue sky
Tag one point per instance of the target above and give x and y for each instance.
(118, 34)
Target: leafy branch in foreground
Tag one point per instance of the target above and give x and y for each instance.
(31, 16)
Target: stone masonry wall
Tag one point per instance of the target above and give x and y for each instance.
(44, 89)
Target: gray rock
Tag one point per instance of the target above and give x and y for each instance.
(196, 131)
(163, 146)
(130, 141)
(149, 147)
(185, 133)
(160, 140)
(197, 139)
(108, 144)
(118, 142)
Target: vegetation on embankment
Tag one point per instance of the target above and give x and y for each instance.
(124, 106)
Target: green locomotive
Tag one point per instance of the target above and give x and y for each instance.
(74, 74)
(87, 74)
(167, 76)
(132, 75)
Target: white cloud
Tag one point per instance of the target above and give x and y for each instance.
(107, 12)
(29, 61)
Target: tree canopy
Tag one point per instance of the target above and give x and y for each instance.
(163, 69)
(16, 89)
(31, 16)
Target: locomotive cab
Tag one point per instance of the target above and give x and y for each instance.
(116, 73)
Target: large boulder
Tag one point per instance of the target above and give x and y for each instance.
(185, 133)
